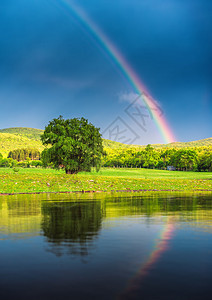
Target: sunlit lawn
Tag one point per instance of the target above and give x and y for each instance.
(149, 173)
(48, 180)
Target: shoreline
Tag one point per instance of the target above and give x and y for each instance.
(104, 191)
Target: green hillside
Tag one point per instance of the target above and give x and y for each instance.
(23, 137)
(199, 143)
(178, 145)
(30, 133)
(117, 145)
(10, 142)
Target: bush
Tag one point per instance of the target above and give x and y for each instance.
(36, 163)
(5, 163)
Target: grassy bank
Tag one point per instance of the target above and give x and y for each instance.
(47, 180)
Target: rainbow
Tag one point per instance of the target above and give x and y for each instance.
(159, 248)
(123, 66)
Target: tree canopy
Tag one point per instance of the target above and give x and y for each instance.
(75, 145)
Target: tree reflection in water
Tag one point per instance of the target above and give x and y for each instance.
(71, 227)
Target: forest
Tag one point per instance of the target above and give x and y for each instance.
(186, 159)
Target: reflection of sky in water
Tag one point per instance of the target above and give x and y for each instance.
(130, 247)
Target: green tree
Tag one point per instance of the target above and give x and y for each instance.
(184, 159)
(205, 161)
(150, 157)
(75, 145)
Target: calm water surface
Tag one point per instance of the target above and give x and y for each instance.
(129, 246)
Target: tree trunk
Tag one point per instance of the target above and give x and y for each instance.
(69, 172)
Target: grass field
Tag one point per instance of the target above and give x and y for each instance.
(48, 180)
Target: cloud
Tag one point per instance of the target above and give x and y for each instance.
(130, 97)
(127, 97)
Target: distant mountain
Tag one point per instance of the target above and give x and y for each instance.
(23, 137)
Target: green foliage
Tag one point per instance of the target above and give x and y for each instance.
(122, 155)
(191, 159)
(36, 163)
(24, 154)
(12, 163)
(23, 137)
(76, 145)
(4, 163)
(205, 161)
(184, 160)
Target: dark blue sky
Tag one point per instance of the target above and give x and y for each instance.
(51, 65)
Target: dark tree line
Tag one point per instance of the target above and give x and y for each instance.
(24, 154)
(190, 159)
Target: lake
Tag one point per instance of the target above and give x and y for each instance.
(106, 246)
